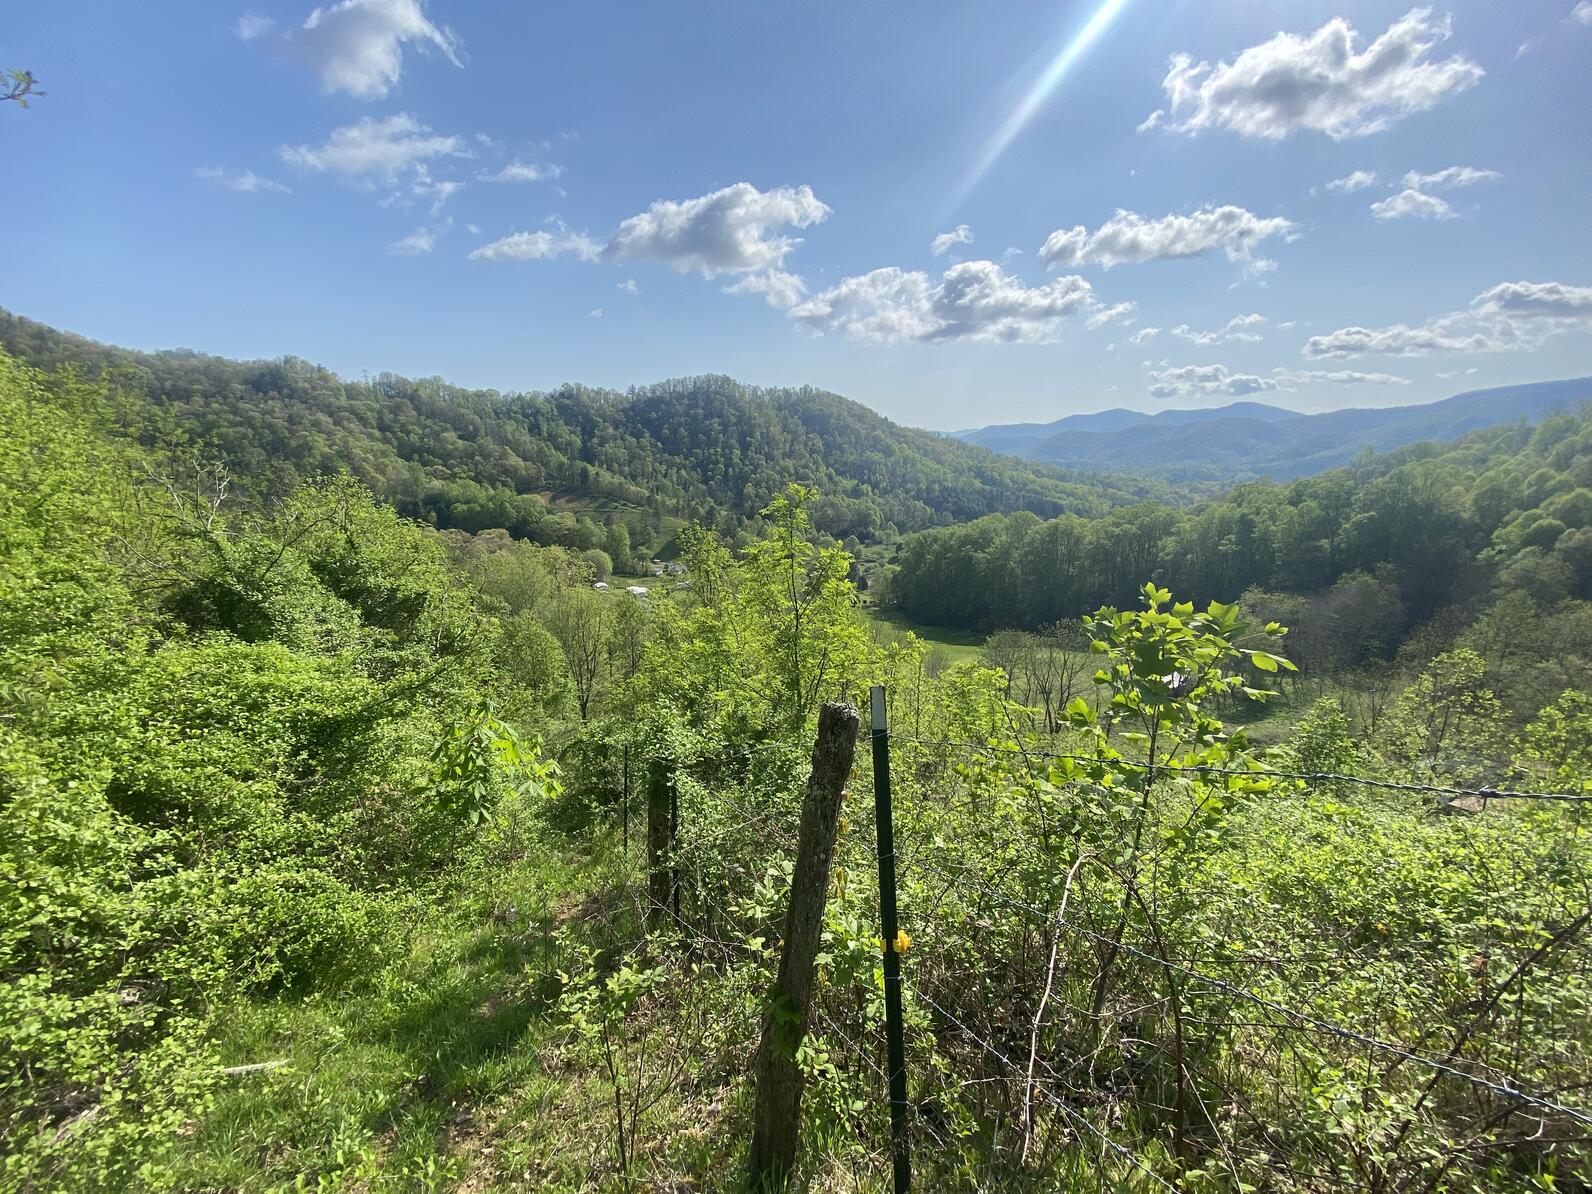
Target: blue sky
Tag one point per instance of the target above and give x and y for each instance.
(521, 195)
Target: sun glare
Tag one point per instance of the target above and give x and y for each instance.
(1040, 91)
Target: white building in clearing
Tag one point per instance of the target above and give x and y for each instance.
(636, 590)
(601, 586)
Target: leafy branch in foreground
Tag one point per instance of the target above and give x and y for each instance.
(18, 86)
(480, 755)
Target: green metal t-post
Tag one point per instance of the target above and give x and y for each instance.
(895, 1044)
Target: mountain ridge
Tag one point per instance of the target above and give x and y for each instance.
(703, 449)
(1248, 440)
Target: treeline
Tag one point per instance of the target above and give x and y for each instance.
(558, 468)
(1377, 548)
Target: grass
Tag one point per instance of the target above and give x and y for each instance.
(442, 1072)
(454, 1068)
(958, 646)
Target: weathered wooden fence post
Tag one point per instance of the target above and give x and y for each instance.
(660, 834)
(779, 1081)
(895, 1043)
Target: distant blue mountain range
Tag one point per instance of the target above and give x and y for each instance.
(1251, 439)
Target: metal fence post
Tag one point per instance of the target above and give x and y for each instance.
(660, 836)
(895, 1045)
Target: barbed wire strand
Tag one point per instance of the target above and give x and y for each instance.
(1066, 1109)
(1261, 773)
(1396, 1050)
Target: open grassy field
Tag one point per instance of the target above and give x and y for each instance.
(958, 646)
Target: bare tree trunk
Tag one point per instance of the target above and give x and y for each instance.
(777, 1123)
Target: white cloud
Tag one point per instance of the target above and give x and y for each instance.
(437, 191)
(1337, 377)
(782, 290)
(1454, 176)
(1509, 316)
(734, 230)
(540, 246)
(371, 151)
(1206, 381)
(357, 46)
(1412, 204)
(1144, 335)
(1112, 314)
(1240, 328)
(974, 300)
(1218, 381)
(1553, 301)
(1357, 181)
(1320, 82)
(252, 25)
(1416, 201)
(1581, 14)
(1202, 339)
(960, 235)
(523, 172)
(596, 312)
(1130, 238)
(421, 240)
(629, 286)
(246, 181)
(1398, 340)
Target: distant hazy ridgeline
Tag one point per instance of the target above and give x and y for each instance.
(1252, 439)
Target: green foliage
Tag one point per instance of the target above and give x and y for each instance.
(1376, 547)
(481, 756)
(274, 790)
(18, 86)
(533, 660)
(597, 1007)
(1559, 740)
(766, 638)
(1162, 665)
(705, 449)
(1448, 722)
(1323, 741)
(218, 767)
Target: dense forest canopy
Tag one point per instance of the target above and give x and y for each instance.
(553, 467)
(1383, 546)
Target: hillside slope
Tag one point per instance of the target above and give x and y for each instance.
(1247, 440)
(550, 466)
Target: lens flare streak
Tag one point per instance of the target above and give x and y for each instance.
(1047, 82)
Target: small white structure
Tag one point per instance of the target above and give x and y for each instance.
(636, 591)
(601, 586)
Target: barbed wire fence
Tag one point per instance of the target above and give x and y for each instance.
(1070, 1024)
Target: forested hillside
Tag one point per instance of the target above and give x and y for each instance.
(1246, 440)
(1510, 509)
(347, 853)
(553, 468)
